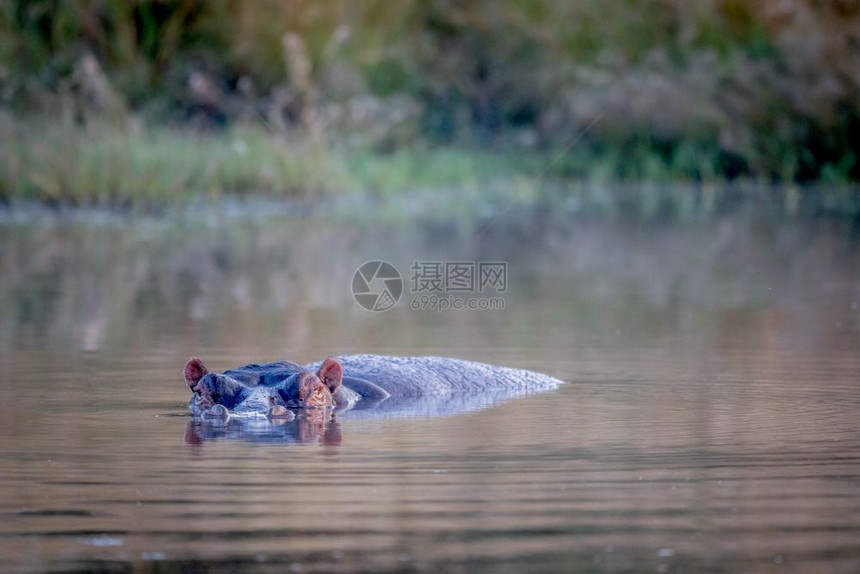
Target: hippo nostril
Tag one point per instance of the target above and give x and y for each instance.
(281, 412)
(219, 411)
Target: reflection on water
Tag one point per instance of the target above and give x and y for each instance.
(709, 422)
(311, 426)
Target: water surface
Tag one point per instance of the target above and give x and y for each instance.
(709, 422)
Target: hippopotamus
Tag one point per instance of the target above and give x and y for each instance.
(356, 382)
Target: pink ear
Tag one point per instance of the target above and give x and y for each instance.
(331, 373)
(194, 371)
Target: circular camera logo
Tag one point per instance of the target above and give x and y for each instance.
(377, 286)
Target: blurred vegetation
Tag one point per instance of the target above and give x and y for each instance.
(111, 100)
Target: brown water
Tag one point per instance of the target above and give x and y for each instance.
(710, 421)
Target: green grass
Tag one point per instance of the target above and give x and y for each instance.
(156, 165)
(105, 165)
(150, 167)
(147, 166)
(433, 167)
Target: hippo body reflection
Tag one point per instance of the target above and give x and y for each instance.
(392, 386)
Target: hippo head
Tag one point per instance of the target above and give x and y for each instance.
(218, 394)
(307, 390)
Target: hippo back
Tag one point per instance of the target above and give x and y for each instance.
(439, 376)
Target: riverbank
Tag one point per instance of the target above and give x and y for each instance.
(722, 90)
(136, 167)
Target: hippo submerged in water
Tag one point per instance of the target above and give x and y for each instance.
(435, 385)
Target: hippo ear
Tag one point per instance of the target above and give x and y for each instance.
(331, 373)
(194, 371)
